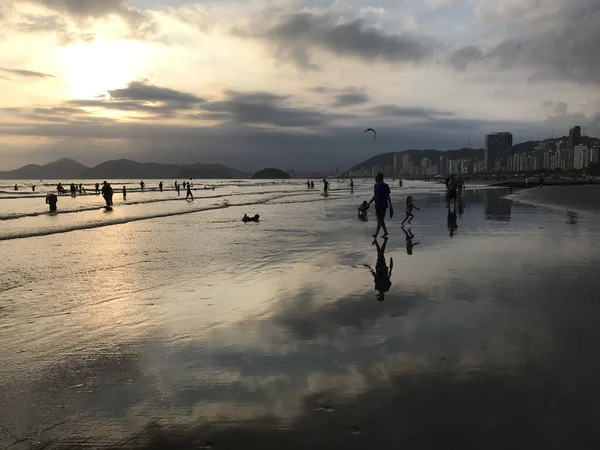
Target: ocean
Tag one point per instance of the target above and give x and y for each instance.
(173, 324)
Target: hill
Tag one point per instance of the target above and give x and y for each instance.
(68, 169)
(387, 159)
(271, 174)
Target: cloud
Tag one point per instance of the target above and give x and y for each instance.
(140, 23)
(26, 73)
(141, 91)
(263, 108)
(351, 99)
(558, 39)
(410, 112)
(297, 34)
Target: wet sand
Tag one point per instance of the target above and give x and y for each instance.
(584, 197)
(202, 332)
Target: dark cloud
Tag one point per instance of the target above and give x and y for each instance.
(140, 91)
(410, 112)
(297, 34)
(351, 99)
(26, 73)
(559, 42)
(263, 108)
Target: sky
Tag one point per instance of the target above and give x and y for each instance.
(289, 84)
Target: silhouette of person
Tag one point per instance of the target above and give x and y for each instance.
(312, 184)
(325, 187)
(125, 193)
(189, 192)
(160, 186)
(381, 197)
(107, 193)
(16, 187)
(247, 218)
(97, 186)
(73, 190)
(142, 184)
(381, 274)
(177, 187)
(409, 240)
(52, 200)
(452, 223)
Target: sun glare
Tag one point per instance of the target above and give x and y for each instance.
(91, 70)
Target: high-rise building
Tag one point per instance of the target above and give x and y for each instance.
(443, 165)
(397, 164)
(497, 146)
(581, 158)
(595, 155)
(406, 163)
(574, 141)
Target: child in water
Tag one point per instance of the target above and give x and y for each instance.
(409, 208)
(363, 208)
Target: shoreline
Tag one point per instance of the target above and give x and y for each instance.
(573, 197)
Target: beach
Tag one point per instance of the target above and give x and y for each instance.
(167, 324)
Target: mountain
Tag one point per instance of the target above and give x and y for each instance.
(69, 169)
(271, 174)
(63, 168)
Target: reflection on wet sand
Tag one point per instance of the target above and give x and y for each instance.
(480, 343)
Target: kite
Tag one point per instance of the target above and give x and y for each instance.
(374, 132)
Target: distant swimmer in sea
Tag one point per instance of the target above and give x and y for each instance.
(16, 187)
(97, 186)
(189, 192)
(409, 209)
(325, 187)
(246, 218)
(381, 197)
(107, 193)
(382, 275)
(142, 184)
(177, 187)
(409, 240)
(452, 222)
(160, 186)
(125, 193)
(452, 189)
(52, 200)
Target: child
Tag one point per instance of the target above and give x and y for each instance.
(363, 208)
(409, 207)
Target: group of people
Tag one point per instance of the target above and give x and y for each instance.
(381, 198)
(107, 192)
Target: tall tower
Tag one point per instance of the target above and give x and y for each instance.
(574, 141)
(497, 146)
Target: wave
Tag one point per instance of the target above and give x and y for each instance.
(124, 220)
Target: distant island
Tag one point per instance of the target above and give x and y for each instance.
(271, 174)
(69, 169)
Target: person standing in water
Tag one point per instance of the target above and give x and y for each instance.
(124, 193)
(381, 197)
(177, 187)
(52, 200)
(97, 186)
(160, 186)
(189, 192)
(107, 193)
(325, 187)
(142, 184)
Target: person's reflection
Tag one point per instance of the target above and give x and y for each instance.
(461, 206)
(381, 274)
(452, 224)
(573, 218)
(409, 240)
